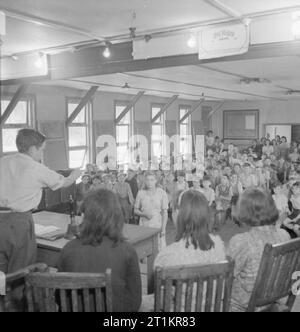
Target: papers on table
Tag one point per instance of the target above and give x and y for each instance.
(50, 233)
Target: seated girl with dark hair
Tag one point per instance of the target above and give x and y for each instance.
(256, 209)
(101, 246)
(194, 245)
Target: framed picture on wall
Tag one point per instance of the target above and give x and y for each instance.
(241, 124)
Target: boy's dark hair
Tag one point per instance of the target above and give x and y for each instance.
(28, 138)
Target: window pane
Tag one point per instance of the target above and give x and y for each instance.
(184, 147)
(155, 111)
(183, 112)
(122, 154)
(157, 149)
(80, 117)
(19, 115)
(126, 118)
(183, 130)
(9, 139)
(122, 134)
(77, 136)
(157, 131)
(77, 159)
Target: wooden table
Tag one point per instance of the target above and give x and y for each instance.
(143, 239)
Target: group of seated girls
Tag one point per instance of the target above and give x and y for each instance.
(101, 244)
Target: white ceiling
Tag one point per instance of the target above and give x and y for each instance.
(73, 21)
(217, 81)
(107, 18)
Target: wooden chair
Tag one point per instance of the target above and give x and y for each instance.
(69, 292)
(17, 279)
(274, 280)
(194, 288)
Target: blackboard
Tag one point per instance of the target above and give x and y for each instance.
(241, 124)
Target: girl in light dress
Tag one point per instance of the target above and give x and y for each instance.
(151, 206)
(125, 196)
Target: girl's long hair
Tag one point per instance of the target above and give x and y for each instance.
(193, 221)
(103, 217)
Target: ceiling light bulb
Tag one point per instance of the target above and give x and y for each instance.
(106, 52)
(192, 41)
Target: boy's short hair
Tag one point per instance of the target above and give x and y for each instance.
(28, 138)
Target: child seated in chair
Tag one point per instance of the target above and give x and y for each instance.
(193, 244)
(207, 191)
(292, 223)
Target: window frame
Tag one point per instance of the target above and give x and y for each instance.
(31, 121)
(88, 124)
(162, 124)
(123, 103)
(188, 129)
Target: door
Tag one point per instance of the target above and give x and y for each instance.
(281, 130)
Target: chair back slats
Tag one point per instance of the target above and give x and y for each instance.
(74, 295)
(86, 300)
(50, 300)
(189, 295)
(98, 300)
(178, 295)
(62, 300)
(209, 294)
(194, 288)
(228, 284)
(108, 292)
(158, 291)
(219, 294)
(274, 279)
(69, 292)
(168, 295)
(199, 295)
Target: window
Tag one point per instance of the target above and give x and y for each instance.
(79, 135)
(158, 131)
(21, 117)
(185, 130)
(124, 130)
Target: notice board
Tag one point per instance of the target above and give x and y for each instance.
(241, 124)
